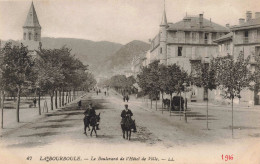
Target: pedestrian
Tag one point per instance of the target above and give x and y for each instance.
(97, 92)
(124, 98)
(105, 93)
(79, 104)
(127, 98)
(34, 102)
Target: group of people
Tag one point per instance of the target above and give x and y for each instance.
(126, 98)
(90, 112)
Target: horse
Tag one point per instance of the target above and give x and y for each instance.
(94, 123)
(166, 103)
(127, 126)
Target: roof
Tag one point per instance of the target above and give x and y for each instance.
(32, 19)
(249, 24)
(191, 23)
(164, 18)
(228, 36)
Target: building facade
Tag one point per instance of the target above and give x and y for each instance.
(185, 43)
(244, 38)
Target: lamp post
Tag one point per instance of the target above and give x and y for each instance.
(185, 107)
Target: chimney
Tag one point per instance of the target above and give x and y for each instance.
(201, 20)
(257, 14)
(227, 25)
(241, 21)
(248, 16)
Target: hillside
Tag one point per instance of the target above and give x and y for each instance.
(89, 52)
(126, 53)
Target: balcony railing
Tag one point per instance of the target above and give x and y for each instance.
(247, 40)
(188, 41)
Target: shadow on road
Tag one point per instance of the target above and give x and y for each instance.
(45, 134)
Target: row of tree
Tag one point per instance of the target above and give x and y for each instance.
(120, 83)
(225, 73)
(49, 71)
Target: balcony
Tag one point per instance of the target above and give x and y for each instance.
(247, 40)
(188, 41)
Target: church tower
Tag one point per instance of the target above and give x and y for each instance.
(163, 38)
(32, 27)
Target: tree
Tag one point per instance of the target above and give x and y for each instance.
(17, 70)
(148, 80)
(204, 76)
(175, 79)
(163, 75)
(232, 77)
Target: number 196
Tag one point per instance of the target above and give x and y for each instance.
(227, 157)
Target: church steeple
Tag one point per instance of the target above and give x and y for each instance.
(32, 27)
(164, 18)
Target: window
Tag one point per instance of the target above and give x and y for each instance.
(161, 50)
(36, 36)
(179, 51)
(206, 38)
(24, 36)
(30, 35)
(214, 36)
(193, 35)
(246, 33)
(246, 37)
(227, 46)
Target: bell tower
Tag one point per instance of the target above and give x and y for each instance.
(32, 27)
(163, 38)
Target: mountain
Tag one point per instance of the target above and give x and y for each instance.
(125, 54)
(89, 52)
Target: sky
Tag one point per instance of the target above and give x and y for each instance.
(119, 21)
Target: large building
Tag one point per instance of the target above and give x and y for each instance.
(186, 42)
(244, 38)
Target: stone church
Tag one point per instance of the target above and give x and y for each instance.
(32, 30)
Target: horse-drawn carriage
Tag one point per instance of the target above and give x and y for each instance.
(175, 103)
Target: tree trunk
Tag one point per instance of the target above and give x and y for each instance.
(171, 102)
(62, 101)
(59, 98)
(162, 101)
(51, 100)
(56, 99)
(156, 103)
(66, 97)
(151, 101)
(207, 110)
(2, 105)
(232, 116)
(18, 105)
(180, 106)
(74, 94)
(39, 102)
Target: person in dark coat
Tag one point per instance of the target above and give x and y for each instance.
(92, 113)
(79, 104)
(124, 98)
(34, 102)
(126, 112)
(127, 98)
(86, 120)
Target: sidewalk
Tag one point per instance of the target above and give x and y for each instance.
(28, 115)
